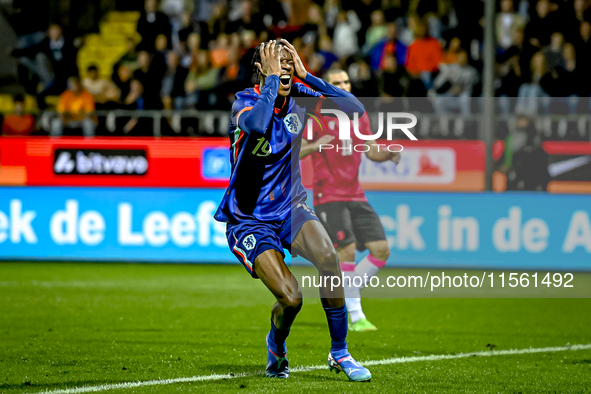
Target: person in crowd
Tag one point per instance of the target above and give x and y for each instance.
(514, 65)
(454, 85)
(563, 82)
(424, 55)
(150, 73)
(202, 78)
(363, 81)
(507, 21)
(52, 60)
(539, 28)
(388, 45)
(574, 14)
(18, 122)
(173, 83)
(75, 108)
(246, 17)
(135, 101)
(583, 44)
(123, 69)
(554, 51)
(326, 50)
(151, 24)
(345, 34)
(248, 44)
(220, 51)
(525, 161)
(103, 91)
(377, 31)
(530, 94)
(450, 55)
(393, 78)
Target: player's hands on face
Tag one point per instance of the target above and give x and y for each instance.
(300, 70)
(270, 59)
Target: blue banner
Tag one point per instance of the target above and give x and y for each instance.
(521, 231)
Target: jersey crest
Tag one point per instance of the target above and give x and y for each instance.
(293, 123)
(249, 242)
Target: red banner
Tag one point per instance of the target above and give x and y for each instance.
(145, 162)
(425, 165)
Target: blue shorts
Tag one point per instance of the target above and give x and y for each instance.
(248, 239)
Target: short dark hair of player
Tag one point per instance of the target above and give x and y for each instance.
(332, 71)
(18, 98)
(256, 58)
(92, 67)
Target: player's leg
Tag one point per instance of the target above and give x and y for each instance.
(271, 269)
(259, 243)
(353, 286)
(369, 232)
(276, 276)
(336, 219)
(313, 243)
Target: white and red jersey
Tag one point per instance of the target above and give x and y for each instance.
(336, 170)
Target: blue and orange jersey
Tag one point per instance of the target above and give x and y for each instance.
(265, 145)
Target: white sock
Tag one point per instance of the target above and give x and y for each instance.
(369, 266)
(352, 292)
(354, 309)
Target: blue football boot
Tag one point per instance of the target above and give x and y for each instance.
(350, 367)
(277, 365)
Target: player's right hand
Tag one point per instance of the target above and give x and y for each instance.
(325, 139)
(270, 59)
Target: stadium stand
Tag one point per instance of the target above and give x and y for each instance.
(192, 56)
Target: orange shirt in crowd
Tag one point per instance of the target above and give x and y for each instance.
(18, 125)
(449, 57)
(424, 54)
(219, 57)
(76, 104)
(232, 72)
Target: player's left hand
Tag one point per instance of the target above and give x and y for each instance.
(396, 157)
(300, 70)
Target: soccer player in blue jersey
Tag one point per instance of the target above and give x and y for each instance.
(264, 206)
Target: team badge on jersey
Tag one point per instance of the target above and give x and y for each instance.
(293, 123)
(249, 242)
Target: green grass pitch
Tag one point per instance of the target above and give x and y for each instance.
(66, 325)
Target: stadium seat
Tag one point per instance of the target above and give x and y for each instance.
(7, 104)
(106, 48)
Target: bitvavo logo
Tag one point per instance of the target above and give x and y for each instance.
(345, 130)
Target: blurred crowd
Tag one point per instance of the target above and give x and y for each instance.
(197, 54)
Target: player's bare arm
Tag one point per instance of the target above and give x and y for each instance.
(380, 154)
(311, 147)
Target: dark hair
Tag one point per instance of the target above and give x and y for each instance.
(92, 67)
(18, 98)
(256, 58)
(332, 71)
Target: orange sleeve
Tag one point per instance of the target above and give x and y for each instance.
(411, 60)
(89, 104)
(63, 103)
(438, 52)
(240, 113)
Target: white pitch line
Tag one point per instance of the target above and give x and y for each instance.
(394, 360)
